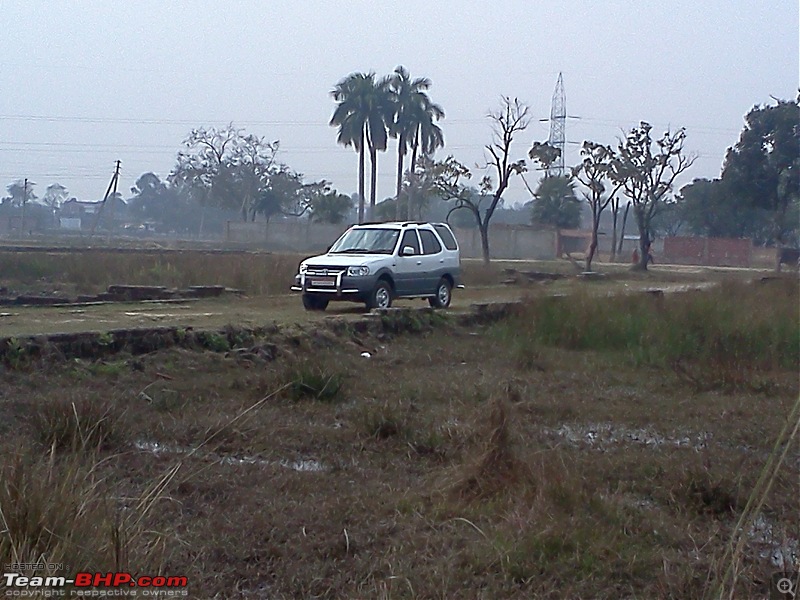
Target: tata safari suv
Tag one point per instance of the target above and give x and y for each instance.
(377, 263)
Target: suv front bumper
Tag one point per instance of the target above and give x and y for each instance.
(336, 285)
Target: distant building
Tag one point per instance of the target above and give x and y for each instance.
(85, 214)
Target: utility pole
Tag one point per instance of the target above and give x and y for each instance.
(112, 185)
(114, 180)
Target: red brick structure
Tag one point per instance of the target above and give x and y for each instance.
(715, 252)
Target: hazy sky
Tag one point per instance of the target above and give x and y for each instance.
(87, 82)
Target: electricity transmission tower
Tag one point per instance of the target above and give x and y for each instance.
(558, 121)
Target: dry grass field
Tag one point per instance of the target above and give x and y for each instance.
(582, 443)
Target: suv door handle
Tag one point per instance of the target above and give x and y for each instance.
(419, 262)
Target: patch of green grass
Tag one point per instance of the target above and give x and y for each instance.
(315, 382)
(723, 335)
(13, 353)
(109, 369)
(211, 340)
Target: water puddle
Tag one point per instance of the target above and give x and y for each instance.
(242, 460)
(303, 465)
(773, 544)
(159, 448)
(603, 435)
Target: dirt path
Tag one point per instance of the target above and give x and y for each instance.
(258, 311)
(211, 313)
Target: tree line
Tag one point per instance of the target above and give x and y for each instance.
(228, 169)
(756, 196)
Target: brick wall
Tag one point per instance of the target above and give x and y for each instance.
(717, 252)
(724, 252)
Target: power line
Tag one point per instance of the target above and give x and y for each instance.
(610, 122)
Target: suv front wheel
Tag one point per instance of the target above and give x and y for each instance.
(443, 294)
(381, 295)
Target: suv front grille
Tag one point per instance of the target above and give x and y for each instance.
(324, 271)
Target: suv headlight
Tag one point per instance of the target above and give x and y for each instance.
(357, 271)
(303, 268)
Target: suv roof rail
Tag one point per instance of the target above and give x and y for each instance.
(395, 223)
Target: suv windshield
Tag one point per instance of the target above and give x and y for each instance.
(366, 241)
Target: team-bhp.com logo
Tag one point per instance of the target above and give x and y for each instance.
(94, 585)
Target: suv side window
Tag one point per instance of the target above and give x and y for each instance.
(430, 245)
(447, 237)
(410, 239)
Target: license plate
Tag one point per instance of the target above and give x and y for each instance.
(323, 282)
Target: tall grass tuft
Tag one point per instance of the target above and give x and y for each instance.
(381, 421)
(723, 335)
(82, 424)
(309, 381)
(497, 468)
(61, 513)
(54, 510)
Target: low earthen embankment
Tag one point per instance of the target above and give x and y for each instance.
(249, 342)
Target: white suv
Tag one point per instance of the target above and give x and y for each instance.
(376, 263)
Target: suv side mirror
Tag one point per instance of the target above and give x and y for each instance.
(408, 251)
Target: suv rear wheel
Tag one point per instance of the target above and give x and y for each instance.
(381, 295)
(443, 294)
(314, 302)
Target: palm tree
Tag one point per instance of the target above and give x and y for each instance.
(412, 119)
(362, 114)
(428, 135)
(350, 117)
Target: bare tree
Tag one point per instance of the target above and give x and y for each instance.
(509, 120)
(646, 175)
(593, 173)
